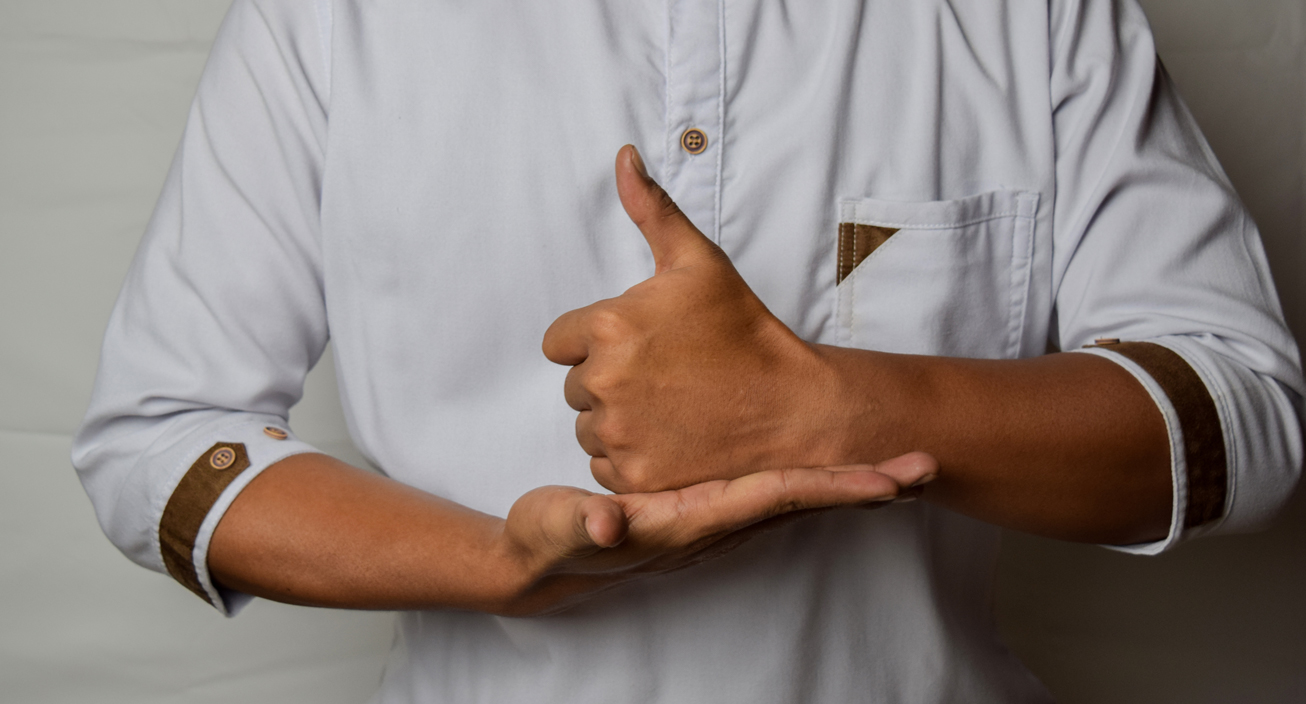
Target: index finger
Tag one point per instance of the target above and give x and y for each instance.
(757, 497)
(566, 341)
(707, 511)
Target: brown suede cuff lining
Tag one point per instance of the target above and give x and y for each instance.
(856, 242)
(1204, 450)
(198, 490)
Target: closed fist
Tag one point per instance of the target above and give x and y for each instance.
(686, 377)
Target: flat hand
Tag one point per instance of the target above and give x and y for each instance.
(576, 543)
(686, 377)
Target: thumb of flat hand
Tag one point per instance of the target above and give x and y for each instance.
(674, 240)
(561, 522)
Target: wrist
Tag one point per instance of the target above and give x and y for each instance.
(848, 406)
(513, 572)
(815, 410)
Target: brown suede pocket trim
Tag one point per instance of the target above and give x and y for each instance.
(1204, 451)
(195, 494)
(856, 243)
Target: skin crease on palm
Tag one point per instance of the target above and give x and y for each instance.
(713, 422)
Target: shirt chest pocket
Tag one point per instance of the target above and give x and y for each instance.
(941, 278)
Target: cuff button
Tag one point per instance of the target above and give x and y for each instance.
(275, 433)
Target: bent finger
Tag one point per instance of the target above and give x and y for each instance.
(585, 435)
(605, 473)
(566, 342)
(574, 391)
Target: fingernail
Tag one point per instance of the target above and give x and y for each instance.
(638, 161)
(924, 480)
(908, 496)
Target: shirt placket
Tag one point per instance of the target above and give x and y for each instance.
(695, 110)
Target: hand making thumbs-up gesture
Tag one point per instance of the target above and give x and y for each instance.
(687, 377)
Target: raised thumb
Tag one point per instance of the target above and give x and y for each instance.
(674, 240)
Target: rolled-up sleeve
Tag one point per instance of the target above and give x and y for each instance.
(1159, 268)
(221, 315)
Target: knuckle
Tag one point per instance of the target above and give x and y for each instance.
(785, 489)
(574, 390)
(785, 478)
(611, 431)
(607, 324)
(590, 444)
(602, 382)
(635, 476)
(606, 475)
(575, 376)
(629, 477)
(638, 477)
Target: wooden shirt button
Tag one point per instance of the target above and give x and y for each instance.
(275, 433)
(694, 141)
(222, 458)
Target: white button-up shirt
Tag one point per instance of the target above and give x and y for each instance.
(429, 184)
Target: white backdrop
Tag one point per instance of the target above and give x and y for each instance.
(93, 97)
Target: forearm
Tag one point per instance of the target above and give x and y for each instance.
(315, 531)
(1067, 446)
(312, 530)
